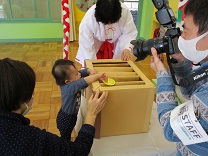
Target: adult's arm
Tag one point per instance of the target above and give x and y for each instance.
(86, 48)
(51, 144)
(129, 30)
(166, 101)
(183, 69)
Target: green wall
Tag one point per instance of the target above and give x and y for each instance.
(144, 19)
(31, 32)
(40, 32)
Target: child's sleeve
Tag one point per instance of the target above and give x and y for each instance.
(83, 72)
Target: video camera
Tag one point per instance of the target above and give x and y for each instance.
(166, 44)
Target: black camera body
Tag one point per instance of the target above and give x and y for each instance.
(166, 44)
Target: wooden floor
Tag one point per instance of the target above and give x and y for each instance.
(41, 56)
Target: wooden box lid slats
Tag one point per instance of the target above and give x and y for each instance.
(125, 73)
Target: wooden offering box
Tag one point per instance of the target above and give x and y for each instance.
(129, 102)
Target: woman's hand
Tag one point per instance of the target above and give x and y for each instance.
(156, 61)
(126, 55)
(96, 103)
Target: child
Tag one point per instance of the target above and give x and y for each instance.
(71, 82)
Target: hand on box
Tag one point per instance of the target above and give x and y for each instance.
(96, 103)
(126, 55)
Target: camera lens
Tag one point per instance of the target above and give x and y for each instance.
(160, 44)
(138, 49)
(143, 48)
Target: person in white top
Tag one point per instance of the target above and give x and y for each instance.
(106, 31)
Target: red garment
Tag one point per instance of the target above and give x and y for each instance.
(105, 51)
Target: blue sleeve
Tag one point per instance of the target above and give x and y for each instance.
(71, 96)
(182, 70)
(83, 72)
(54, 145)
(166, 101)
(74, 87)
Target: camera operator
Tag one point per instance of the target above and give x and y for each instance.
(193, 44)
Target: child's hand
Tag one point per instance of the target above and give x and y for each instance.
(91, 71)
(103, 77)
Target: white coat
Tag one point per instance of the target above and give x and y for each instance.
(92, 34)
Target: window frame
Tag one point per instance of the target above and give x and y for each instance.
(30, 20)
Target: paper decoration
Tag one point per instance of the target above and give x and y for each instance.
(66, 27)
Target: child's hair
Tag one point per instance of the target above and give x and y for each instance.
(59, 70)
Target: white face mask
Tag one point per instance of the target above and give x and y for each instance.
(188, 49)
(27, 108)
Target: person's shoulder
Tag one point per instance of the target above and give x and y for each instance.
(41, 134)
(124, 14)
(89, 16)
(125, 11)
(35, 131)
(63, 86)
(91, 10)
(67, 87)
(75, 83)
(124, 7)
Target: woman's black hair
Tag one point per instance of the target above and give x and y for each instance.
(17, 83)
(59, 70)
(108, 11)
